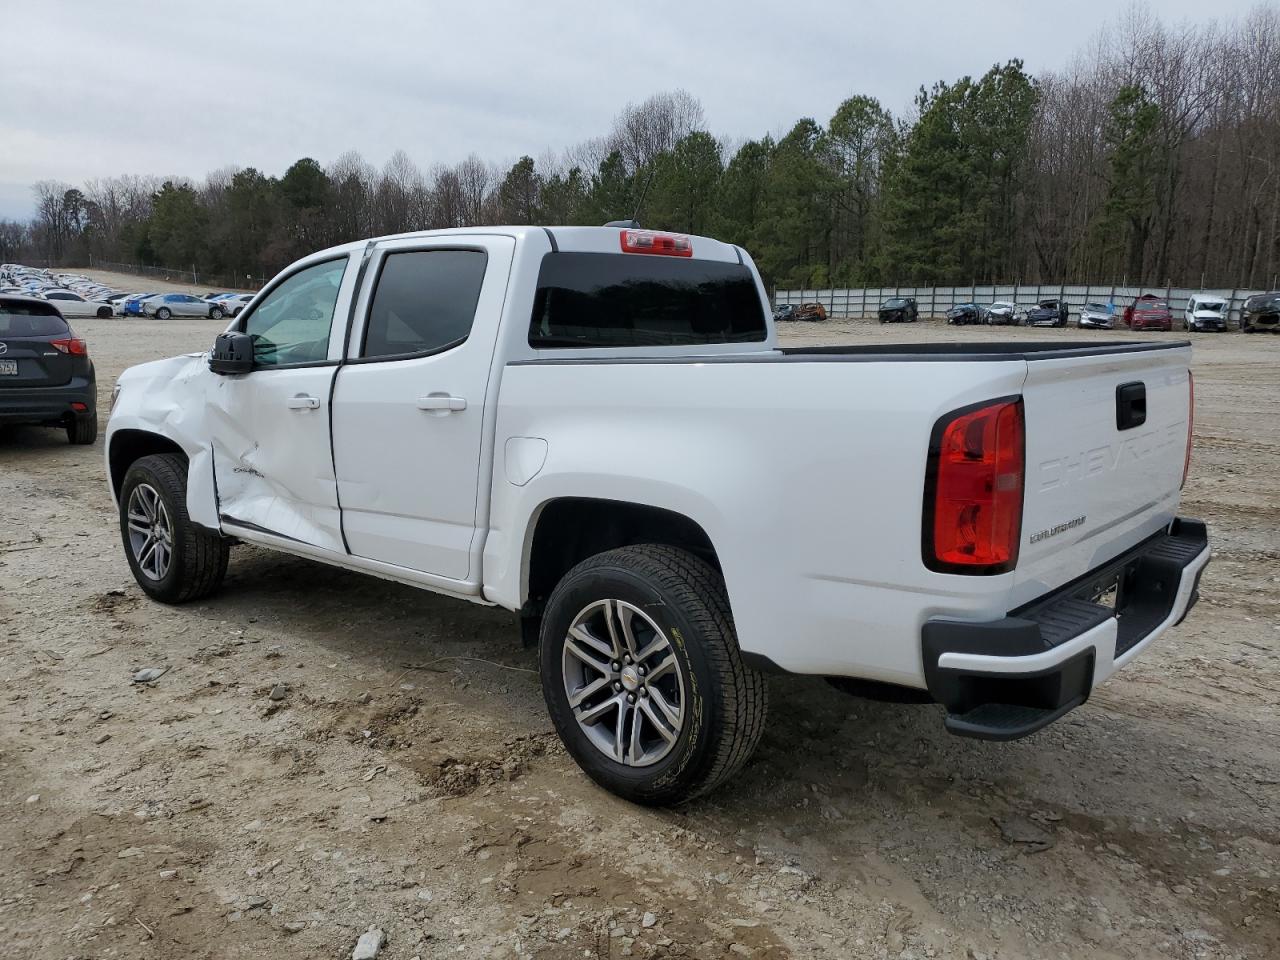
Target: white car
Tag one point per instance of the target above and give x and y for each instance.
(165, 305)
(71, 304)
(1100, 316)
(233, 303)
(1205, 311)
(1003, 313)
(594, 427)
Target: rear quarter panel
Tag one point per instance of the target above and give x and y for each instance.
(807, 477)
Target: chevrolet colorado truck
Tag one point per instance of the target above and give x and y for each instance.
(595, 428)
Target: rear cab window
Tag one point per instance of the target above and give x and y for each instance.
(588, 300)
(424, 302)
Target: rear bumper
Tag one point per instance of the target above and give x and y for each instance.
(48, 404)
(1007, 678)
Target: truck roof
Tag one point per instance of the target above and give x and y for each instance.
(566, 238)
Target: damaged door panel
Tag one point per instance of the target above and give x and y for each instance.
(269, 428)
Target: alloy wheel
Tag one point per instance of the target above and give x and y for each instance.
(623, 683)
(150, 532)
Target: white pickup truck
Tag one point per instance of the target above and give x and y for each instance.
(594, 426)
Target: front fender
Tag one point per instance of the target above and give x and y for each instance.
(166, 399)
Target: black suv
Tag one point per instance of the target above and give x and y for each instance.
(899, 310)
(46, 376)
(1261, 312)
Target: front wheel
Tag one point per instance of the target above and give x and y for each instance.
(173, 559)
(163, 313)
(643, 677)
(215, 313)
(104, 313)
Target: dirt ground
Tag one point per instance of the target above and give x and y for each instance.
(409, 778)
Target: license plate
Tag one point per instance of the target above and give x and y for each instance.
(8, 368)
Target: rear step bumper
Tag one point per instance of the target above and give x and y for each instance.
(1004, 679)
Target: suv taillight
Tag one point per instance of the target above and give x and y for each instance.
(1191, 422)
(663, 244)
(72, 345)
(973, 489)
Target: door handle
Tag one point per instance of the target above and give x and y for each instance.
(438, 401)
(302, 402)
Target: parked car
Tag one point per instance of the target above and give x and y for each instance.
(46, 376)
(1261, 312)
(1205, 311)
(811, 311)
(1002, 313)
(168, 305)
(131, 306)
(1048, 313)
(233, 304)
(785, 311)
(1149, 312)
(899, 310)
(71, 304)
(531, 375)
(965, 313)
(1100, 316)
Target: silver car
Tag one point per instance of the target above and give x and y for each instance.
(1100, 316)
(166, 305)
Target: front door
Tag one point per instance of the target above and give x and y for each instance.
(408, 407)
(270, 427)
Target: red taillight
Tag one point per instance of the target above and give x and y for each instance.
(663, 244)
(1191, 422)
(72, 345)
(973, 490)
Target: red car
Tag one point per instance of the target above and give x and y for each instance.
(1149, 312)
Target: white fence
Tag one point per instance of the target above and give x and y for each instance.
(935, 301)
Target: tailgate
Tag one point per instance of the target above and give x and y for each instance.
(1098, 482)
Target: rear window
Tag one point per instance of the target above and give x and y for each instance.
(619, 300)
(19, 319)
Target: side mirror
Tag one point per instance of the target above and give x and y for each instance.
(231, 353)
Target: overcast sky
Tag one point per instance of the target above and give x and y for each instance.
(103, 87)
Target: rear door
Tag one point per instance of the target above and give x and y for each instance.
(1106, 442)
(409, 404)
(27, 358)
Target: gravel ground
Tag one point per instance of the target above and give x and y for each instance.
(408, 778)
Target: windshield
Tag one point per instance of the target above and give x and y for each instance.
(1096, 307)
(894, 303)
(607, 300)
(1152, 305)
(1211, 306)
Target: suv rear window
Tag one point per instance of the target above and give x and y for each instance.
(19, 318)
(621, 300)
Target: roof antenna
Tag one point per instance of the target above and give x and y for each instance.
(634, 222)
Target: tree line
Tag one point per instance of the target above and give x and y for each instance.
(1153, 157)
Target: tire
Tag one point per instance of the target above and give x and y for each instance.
(197, 558)
(163, 313)
(667, 595)
(104, 313)
(216, 313)
(83, 430)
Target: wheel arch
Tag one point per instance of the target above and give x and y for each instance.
(127, 446)
(566, 530)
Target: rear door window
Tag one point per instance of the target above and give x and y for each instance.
(424, 302)
(620, 300)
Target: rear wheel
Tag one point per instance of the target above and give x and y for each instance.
(173, 559)
(643, 677)
(83, 430)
